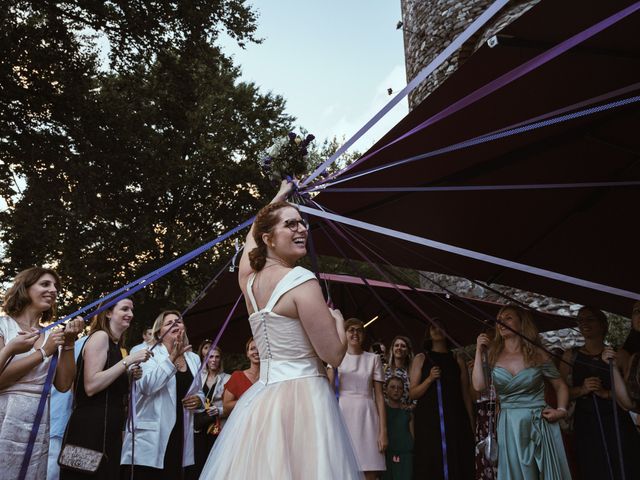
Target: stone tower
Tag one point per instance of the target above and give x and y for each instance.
(430, 25)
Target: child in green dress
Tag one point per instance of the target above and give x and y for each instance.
(399, 454)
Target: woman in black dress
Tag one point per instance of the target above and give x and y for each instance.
(101, 392)
(437, 362)
(593, 419)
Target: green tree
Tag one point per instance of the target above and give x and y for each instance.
(129, 167)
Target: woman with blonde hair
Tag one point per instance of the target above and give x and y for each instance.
(29, 303)
(162, 398)
(529, 440)
(101, 390)
(399, 361)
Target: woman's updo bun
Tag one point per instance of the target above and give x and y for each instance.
(266, 219)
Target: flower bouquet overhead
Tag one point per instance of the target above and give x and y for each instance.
(288, 157)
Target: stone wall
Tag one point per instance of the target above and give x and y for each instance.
(430, 25)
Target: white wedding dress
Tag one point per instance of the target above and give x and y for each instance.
(288, 425)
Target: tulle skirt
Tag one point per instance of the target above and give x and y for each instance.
(290, 430)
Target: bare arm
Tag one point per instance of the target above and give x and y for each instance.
(477, 376)
(622, 395)
(95, 357)
(324, 328)
(331, 375)
(18, 368)
(229, 401)
(411, 428)
(464, 384)
(382, 416)
(623, 360)
(66, 368)
(417, 389)
(244, 267)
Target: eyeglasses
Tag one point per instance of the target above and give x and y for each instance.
(355, 330)
(295, 224)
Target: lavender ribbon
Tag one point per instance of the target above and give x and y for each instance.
(490, 137)
(471, 253)
(196, 385)
(476, 25)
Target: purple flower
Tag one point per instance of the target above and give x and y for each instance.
(310, 138)
(304, 151)
(292, 136)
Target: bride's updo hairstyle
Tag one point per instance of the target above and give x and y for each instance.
(266, 219)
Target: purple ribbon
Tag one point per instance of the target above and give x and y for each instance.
(142, 282)
(511, 76)
(616, 421)
(196, 385)
(443, 434)
(485, 138)
(39, 413)
(476, 25)
(396, 287)
(471, 253)
(471, 188)
(602, 435)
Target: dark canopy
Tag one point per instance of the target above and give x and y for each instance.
(590, 233)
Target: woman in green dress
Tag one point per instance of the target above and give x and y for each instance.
(529, 440)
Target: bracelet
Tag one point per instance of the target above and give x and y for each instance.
(43, 353)
(124, 362)
(562, 409)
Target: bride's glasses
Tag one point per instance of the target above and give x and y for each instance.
(295, 224)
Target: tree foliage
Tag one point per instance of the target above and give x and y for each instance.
(129, 166)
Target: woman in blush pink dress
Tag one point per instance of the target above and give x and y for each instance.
(360, 381)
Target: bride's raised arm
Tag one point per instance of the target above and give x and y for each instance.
(244, 268)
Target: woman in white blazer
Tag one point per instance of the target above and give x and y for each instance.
(160, 404)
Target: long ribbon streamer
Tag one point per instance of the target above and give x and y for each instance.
(476, 25)
(142, 282)
(473, 188)
(443, 433)
(472, 254)
(616, 421)
(196, 385)
(485, 138)
(33, 435)
(602, 435)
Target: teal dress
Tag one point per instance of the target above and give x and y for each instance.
(529, 447)
(399, 453)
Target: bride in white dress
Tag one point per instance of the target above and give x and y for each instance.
(288, 424)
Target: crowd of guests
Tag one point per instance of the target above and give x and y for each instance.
(423, 413)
